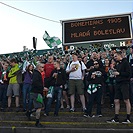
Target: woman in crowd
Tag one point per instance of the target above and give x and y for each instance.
(27, 86)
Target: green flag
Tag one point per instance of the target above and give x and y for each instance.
(51, 41)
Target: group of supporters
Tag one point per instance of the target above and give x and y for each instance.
(84, 76)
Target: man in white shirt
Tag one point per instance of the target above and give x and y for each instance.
(76, 71)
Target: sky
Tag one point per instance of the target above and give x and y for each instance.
(18, 28)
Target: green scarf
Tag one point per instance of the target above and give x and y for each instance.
(92, 88)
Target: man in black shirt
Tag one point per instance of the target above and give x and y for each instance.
(122, 74)
(37, 93)
(95, 79)
(57, 81)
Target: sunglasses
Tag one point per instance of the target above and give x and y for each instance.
(95, 63)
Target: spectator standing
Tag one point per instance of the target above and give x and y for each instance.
(76, 73)
(95, 80)
(110, 82)
(27, 86)
(65, 90)
(13, 84)
(4, 81)
(131, 83)
(37, 93)
(85, 60)
(48, 68)
(130, 60)
(130, 55)
(122, 74)
(57, 80)
(103, 57)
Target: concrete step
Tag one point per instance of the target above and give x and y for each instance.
(16, 122)
(61, 118)
(61, 130)
(63, 114)
(60, 124)
(64, 120)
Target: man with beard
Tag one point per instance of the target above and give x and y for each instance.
(90, 63)
(95, 80)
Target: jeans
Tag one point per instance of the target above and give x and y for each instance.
(58, 92)
(26, 94)
(3, 92)
(98, 96)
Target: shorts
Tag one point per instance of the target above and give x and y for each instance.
(76, 85)
(13, 88)
(37, 105)
(122, 91)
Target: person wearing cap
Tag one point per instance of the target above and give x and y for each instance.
(76, 73)
(95, 79)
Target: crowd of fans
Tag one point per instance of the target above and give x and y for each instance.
(81, 74)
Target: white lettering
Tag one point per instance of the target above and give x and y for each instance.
(122, 44)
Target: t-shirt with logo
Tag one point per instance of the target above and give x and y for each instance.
(77, 74)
